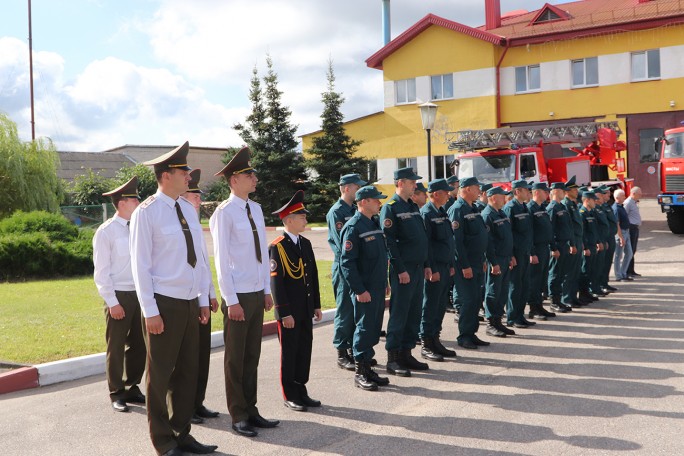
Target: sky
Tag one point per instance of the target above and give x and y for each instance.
(160, 72)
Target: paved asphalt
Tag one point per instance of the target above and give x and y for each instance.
(608, 379)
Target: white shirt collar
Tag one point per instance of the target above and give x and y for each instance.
(165, 198)
(120, 220)
(294, 237)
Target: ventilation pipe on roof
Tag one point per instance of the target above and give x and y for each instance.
(386, 22)
(492, 14)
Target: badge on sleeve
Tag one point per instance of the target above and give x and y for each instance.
(274, 265)
(348, 246)
(387, 223)
(455, 225)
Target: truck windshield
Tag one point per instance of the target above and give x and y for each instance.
(488, 169)
(674, 147)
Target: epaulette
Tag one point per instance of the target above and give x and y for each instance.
(150, 199)
(223, 204)
(277, 240)
(583, 210)
(390, 202)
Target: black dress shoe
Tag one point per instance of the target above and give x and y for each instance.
(198, 448)
(119, 405)
(609, 288)
(204, 412)
(296, 406)
(196, 419)
(517, 324)
(633, 274)
(467, 344)
(479, 342)
(137, 398)
(306, 400)
(175, 451)
(244, 428)
(261, 422)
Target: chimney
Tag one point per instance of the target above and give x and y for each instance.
(492, 14)
(387, 37)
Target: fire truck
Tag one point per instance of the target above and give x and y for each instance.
(670, 148)
(542, 153)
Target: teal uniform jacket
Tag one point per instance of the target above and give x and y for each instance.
(339, 214)
(450, 202)
(439, 234)
(405, 233)
(364, 256)
(612, 220)
(479, 206)
(591, 233)
(521, 223)
(543, 230)
(561, 226)
(523, 242)
(603, 224)
(543, 235)
(500, 243)
(577, 224)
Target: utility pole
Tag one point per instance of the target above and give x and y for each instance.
(33, 122)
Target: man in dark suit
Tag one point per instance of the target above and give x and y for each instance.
(294, 284)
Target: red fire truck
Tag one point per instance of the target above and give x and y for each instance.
(671, 176)
(542, 153)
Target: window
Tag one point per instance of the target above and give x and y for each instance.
(406, 91)
(647, 139)
(547, 16)
(407, 162)
(489, 169)
(527, 79)
(585, 72)
(528, 166)
(372, 172)
(442, 87)
(442, 166)
(646, 65)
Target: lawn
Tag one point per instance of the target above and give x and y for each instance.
(47, 320)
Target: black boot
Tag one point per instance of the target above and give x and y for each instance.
(361, 379)
(412, 363)
(427, 350)
(395, 365)
(441, 349)
(344, 361)
(545, 312)
(535, 312)
(374, 377)
(501, 327)
(493, 329)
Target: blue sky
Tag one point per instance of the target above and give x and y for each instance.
(114, 72)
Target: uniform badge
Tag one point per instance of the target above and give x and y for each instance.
(348, 246)
(339, 225)
(274, 265)
(387, 223)
(455, 225)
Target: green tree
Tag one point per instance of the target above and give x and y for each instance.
(271, 138)
(147, 182)
(28, 172)
(87, 189)
(332, 154)
(219, 190)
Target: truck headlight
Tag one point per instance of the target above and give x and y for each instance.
(666, 200)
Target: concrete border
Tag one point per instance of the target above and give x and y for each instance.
(18, 379)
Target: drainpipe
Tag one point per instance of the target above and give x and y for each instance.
(386, 22)
(498, 85)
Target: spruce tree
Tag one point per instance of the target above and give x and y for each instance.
(332, 154)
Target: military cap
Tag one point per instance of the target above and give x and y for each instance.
(485, 187)
(420, 187)
(127, 190)
(369, 191)
(406, 173)
(582, 189)
(294, 206)
(451, 180)
(468, 181)
(193, 186)
(540, 186)
(176, 159)
(352, 179)
(558, 186)
(589, 194)
(520, 183)
(438, 184)
(601, 189)
(239, 164)
(570, 184)
(497, 191)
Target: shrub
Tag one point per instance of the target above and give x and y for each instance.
(55, 226)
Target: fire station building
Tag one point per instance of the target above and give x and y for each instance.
(582, 61)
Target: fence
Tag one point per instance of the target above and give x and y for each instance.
(88, 216)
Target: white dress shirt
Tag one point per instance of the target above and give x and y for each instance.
(159, 253)
(237, 267)
(112, 260)
(294, 237)
(632, 209)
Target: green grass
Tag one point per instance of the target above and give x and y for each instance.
(47, 320)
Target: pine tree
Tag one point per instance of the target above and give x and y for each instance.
(332, 154)
(272, 141)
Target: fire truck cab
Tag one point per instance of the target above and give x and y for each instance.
(671, 176)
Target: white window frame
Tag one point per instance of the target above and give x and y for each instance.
(583, 62)
(441, 89)
(410, 161)
(446, 169)
(646, 55)
(402, 87)
(528, 69)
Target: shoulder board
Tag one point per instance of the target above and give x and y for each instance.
(390, 202)
(223, 204)
(277, 240)
(148, 201)
(583, 210)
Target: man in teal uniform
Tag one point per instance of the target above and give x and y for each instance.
(500, 261)
(470, 240)
(420, 195)
(481, 202)
(543, 235)
(521, 223)
(407, 244)
(453, 191)
(363, 264)
(339, 214)
(441, 264)
(569, 296)
(612, 233)
(591, 244)
(603, 227)
(563, 242)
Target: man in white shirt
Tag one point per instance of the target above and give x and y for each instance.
(242, 266)
(125, 361)
(171, 281)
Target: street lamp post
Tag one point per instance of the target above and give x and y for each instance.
(428, 113)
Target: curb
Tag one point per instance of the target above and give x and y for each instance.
(280, 228)
(84, 366)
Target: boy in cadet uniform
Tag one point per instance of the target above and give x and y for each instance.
(125, 362)
(339, 214)
(364, 267)
(543, 235)
(193, 195)
(562, 243)
(591, 243)
(441, 263)
(297, 299)
(420, 195)
(500, 261)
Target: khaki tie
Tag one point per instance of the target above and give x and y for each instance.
(192, 258)
(257, 245)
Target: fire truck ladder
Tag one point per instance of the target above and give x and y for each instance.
(468, 140)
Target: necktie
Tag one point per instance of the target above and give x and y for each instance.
(257, 245)
(192, 258)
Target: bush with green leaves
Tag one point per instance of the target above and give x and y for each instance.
(147, 183)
